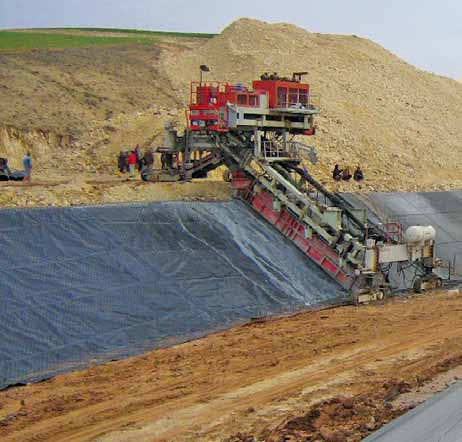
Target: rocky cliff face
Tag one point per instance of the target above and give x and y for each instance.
(75, 105)
(45, 146)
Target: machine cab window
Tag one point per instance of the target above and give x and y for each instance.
(282, 96)
(242, 100)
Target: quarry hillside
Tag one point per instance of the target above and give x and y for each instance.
(76, 108)
(402, 124)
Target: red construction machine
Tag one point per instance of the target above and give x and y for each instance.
(271, 103)
(252, 131)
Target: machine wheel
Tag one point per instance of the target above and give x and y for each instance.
(424, 284)
(418, 285)
(355, 298)
(366, 297)
(227, 176)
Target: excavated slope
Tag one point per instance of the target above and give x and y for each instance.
(75, 109)
(402, 124)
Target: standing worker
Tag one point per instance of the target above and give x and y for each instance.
(139, 156)
(346, 174)
(7, 167)
(358, 174)
(132, 161)
(126, 155)
(149, 159)
(337, 173)
(27, 161)
(122, 161)
(4, 166)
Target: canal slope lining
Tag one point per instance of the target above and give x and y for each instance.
(442, 210)
(86, 285)
(437, 420)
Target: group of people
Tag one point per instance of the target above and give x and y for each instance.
(345, 174)
(130, 161)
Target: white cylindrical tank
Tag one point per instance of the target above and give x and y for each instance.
(419, 234)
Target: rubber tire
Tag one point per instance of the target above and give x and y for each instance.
(227, 176)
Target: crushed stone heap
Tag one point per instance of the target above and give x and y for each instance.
(403, 125)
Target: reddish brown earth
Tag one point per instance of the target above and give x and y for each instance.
(334, 375)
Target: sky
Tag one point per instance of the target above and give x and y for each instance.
(427, 34)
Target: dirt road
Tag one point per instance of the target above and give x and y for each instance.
(88, 190)
(318, 376)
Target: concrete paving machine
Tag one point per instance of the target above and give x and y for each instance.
(252, 131)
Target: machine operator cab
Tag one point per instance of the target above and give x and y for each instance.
(268, 114)
(272, 103)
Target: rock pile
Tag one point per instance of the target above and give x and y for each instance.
(403, 125)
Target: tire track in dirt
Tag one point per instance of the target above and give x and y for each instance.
(278, 369)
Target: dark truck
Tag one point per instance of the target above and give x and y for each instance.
(6, 174)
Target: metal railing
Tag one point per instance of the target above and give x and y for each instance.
(293, 150)
(304, 151)
(313, 103)
(275, 151)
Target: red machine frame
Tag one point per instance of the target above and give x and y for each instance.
(284, 221)
(209, 100)
(284, 94)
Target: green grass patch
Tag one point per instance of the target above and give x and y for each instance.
(39, 40)
(140, 32)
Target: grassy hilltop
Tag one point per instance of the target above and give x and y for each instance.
(63, 38)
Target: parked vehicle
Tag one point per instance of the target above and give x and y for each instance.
(6, 174)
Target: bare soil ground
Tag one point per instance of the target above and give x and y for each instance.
(90, 190)
(333, 375)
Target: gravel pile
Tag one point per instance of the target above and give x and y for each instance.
(403, 125)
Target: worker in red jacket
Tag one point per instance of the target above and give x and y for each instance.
(132, 161)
